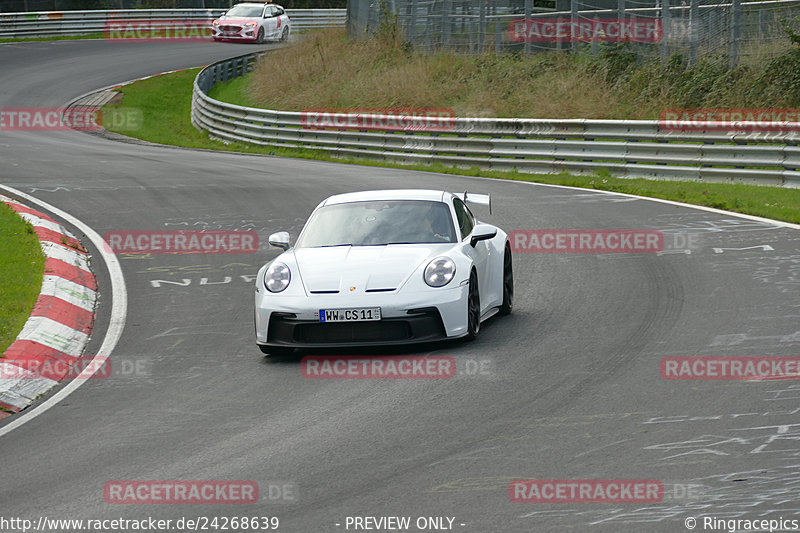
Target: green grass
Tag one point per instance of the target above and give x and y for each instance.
(165, 102)
(328, 70)
(53, 38)
(235, 91)
(22, 265)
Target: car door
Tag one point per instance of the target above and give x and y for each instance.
(282, 19)
(270, 22)
(479, 254)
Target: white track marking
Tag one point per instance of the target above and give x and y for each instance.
(119, 310)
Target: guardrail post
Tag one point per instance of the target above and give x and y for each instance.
(528, 14)
(573, 8)
(363, 17)
(666, 25)
(694, 31)
(481, 24)
(736, 14)
(428, 31)
(498, 36)
(412, 22)
(447, 7)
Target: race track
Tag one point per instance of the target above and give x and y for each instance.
(571, 387)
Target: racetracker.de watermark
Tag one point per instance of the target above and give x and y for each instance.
(379, 367)
(731, 119)
(182, 242)
(730, 368)
(157, 30)
(586, 241)
(69, 118)
(83, 367)
(383, 119)
(181, 492)
(550, 30)
(586, 491)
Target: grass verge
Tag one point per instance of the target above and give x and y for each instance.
(22, 265)
(53, 38)
(327, 69)
(165, 102)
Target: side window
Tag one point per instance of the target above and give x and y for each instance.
(279, 11)
(465, 221)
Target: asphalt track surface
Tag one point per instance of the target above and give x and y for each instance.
(570, 390)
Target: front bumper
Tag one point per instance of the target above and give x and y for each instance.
(405, 319)
(235, 33)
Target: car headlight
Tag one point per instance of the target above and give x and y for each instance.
(250, 24)
(440, 272)
(277, 277)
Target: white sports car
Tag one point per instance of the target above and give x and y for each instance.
(384, 267)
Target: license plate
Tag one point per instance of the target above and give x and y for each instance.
(357, 314)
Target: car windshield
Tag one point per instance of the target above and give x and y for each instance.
(245, 11)
(378, 223)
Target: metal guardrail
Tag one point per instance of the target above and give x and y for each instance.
(626, 148)
(50, 23)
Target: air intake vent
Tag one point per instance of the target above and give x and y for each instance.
(324, 292)
(380, 290)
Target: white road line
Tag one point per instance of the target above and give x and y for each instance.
(119, 310)
(660, 200)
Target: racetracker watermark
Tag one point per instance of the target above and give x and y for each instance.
(180, 492)
(69, 118)
(586, 241)
(182, 242)
(731, 119)
(379, 367)
(83, 367)
(730, 368)
(586, 491)
(550, 30)
(383, 119)
(157, 30)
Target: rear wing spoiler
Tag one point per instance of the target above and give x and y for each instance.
(477, 199)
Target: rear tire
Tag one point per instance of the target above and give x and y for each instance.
(508, 283)
(473, 308)
(285, 35)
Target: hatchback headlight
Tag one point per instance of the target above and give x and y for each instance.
(277, 277)
(440, 272)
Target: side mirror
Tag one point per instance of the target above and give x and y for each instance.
(482, 232)
(280, 240)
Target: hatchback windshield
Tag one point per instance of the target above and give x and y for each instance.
(245, 11)
(379, 223)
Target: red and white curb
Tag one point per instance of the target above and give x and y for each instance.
(58, 329)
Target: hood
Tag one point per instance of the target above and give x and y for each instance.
(363, 267)
(237, 20)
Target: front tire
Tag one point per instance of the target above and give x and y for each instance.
(473, 308)
(508, 283)
(260, 38)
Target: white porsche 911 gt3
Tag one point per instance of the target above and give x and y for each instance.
(384, 267)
